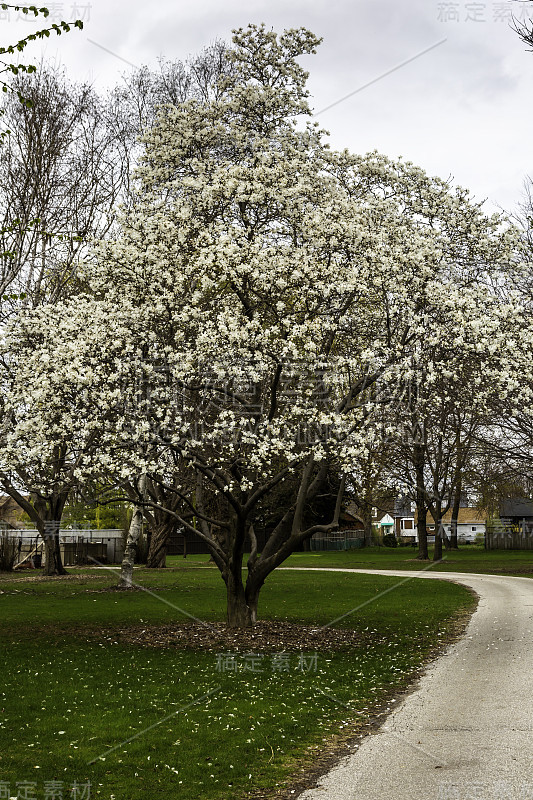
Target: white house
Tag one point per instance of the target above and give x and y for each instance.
(400, 521)
(385, 524)
(471, 523)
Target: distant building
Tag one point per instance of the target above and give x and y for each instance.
(397, 518)
(385, 524)
(514, 529)
(349, 519)
(517, 513)
(471, 523)
(11, 514)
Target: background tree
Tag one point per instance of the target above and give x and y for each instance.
(49, 422)
(60, 176)
(525, 30)
(7, 66)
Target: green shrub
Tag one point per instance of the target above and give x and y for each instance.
(389, 540)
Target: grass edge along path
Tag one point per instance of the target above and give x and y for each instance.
(320, 759)
(468, 558)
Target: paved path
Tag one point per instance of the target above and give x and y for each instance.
(467, 732)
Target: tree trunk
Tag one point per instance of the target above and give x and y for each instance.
(157, 553)
(50, 511)
(52, 552)
(241, 613)
(367, 523)
(421, 509)
(423, 554)
(455, 516)
(126, 571)
(439, 532)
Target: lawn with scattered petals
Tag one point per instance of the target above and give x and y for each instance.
(85, 714)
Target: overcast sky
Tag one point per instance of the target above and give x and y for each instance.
(462, 109)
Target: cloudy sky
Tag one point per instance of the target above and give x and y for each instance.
(446, 85)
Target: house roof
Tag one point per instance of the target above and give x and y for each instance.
(516, 507)
(6, 498)
(349, 516)
(467, 516)
(8, 504)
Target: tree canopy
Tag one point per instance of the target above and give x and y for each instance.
(265, 297)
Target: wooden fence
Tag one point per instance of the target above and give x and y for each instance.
(78, 546)
(508, 540)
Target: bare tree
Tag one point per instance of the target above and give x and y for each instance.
(145, 93)
(7, 67)
(60, 176)
(525, 30)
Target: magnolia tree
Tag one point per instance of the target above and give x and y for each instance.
(509, 437)
(52, 419)
(443, 417)
(59, 177)
(260, 281)
(461, 368)
(265, 295)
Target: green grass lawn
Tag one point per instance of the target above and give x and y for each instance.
(469, 558)
(70, 697)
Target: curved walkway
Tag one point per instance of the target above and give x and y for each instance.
(466, 732)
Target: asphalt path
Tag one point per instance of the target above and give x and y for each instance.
(466, 732)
